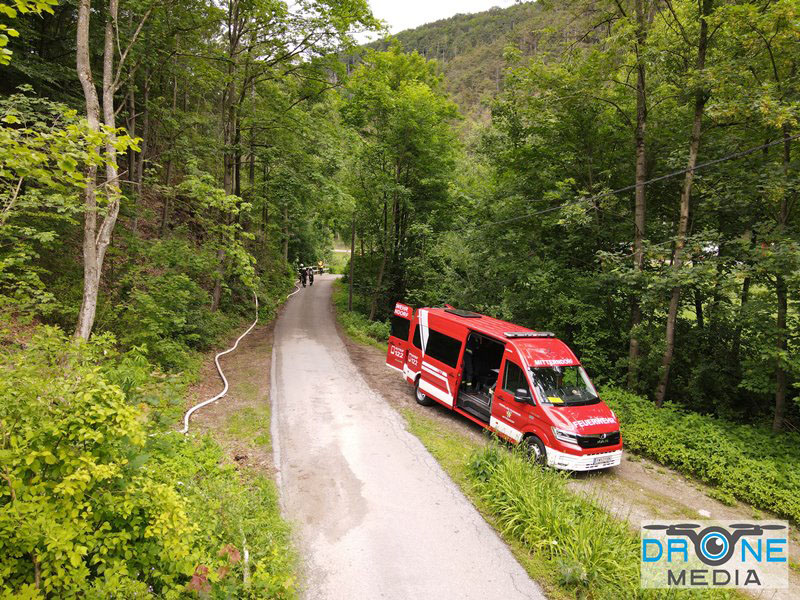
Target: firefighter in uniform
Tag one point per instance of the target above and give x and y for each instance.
(470, 374)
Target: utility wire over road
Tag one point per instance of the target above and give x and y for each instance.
(633, 186)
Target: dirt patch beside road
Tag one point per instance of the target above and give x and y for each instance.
(240, 421)
(390, 384)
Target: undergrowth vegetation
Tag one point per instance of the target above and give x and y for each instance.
(743, 462)
(99, 498)
(355, 322)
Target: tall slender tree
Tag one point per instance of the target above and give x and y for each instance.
(701, 96)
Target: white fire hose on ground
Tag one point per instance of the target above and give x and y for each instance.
(224, 391)
(185, 430)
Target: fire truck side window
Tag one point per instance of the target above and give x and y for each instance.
(443, 348)
(417, 343)
(514, 379)
(400, 328)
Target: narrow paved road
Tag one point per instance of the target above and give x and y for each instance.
(375, 515)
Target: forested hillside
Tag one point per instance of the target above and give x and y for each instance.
(470, 49)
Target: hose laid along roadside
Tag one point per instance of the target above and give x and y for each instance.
(224, 391)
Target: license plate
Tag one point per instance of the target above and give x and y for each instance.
(602, 461)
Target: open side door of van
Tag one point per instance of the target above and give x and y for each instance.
(398, 338)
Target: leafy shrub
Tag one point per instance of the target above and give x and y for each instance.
(93, 507)
(164, 306)
(356, 324)
(745, 462)
(74, 508)
(594, 554)
(230, 513)
(169, 315)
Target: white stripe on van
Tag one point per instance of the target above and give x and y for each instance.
(505, 429)
(423, 329)
(433, 391)
(434, 371)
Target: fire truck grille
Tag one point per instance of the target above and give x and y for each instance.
(598, 440)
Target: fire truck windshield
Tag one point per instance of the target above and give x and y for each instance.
(563, 386)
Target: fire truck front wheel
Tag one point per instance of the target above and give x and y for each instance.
(420, 396)
(535, 449)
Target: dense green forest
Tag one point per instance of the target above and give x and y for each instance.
(623, 173)
(634, 191)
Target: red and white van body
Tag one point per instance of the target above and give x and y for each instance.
(428, 347)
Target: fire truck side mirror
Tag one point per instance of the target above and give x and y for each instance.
(522, 395)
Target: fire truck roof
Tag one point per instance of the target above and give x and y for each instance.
(539, 348)
(481, 323)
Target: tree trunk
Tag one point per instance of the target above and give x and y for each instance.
(237, 157)
(216, 296)
(165, 208)
(643, 18)
(737, 332)
(387, 248)
(251, 171)
(286, 232)
(145, 133)
(701, 98)
(95, 242)
(698, 309)
(131, 125)
(781, 292)
(373, 309)
(781, 381)
(352, 263)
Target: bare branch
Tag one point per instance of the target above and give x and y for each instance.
(622, 113)
(124, 54)
(7, 208)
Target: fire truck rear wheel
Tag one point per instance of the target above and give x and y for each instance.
(535, 449)
(420, 396)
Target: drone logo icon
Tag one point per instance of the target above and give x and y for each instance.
(715, 545)
(747, 555)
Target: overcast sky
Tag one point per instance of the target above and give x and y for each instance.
(405, 14)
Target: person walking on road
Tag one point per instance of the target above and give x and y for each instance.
(311, 275)
(303, 274)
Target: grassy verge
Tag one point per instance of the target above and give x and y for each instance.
(234, 507)
(233, 510)
(250, 425)
(357, 326)
(567, 543)
(453, 450)
(742, 462)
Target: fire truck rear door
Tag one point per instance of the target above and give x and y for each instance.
(398, 339)
(440, 370)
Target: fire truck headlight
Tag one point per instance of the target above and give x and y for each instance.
(565, 436)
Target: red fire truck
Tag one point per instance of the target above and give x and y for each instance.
(524, 385)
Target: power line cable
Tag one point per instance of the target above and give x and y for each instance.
(635, 185)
